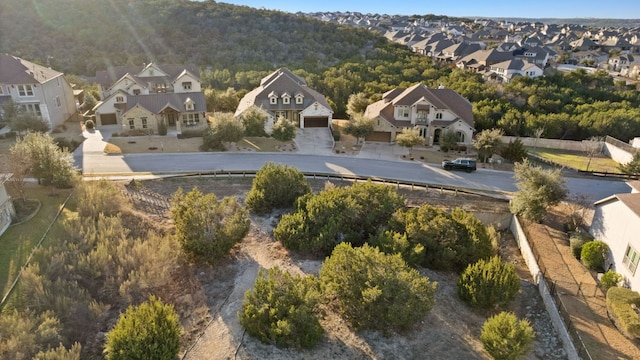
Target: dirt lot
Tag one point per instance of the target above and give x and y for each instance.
(450, 330)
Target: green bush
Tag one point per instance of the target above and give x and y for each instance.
(211, 141)
(162, 128)
(89, 124)
(150, 330)
(284, 130)
(488, 283)
(276, 186)
(336, 135)
(65, 143)
(620, 303)
(577, 241)
(505, 337)
(208, 229)
(593, 254)
(610, 279)
(187, 134)
(449, 241)
(514, 151)
(372, 290)
(280, 309)
(338, 214)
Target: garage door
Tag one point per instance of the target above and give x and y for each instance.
(108, 119)
(379, 136)
(315, 122)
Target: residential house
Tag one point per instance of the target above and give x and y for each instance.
(482, 59)
(535, 55)
(284, 94)
(432, 111)
(7, 212)
(616, 221)
(455, 52)
(124, 88)
(36, 89)
(507, 70)
(620, 62)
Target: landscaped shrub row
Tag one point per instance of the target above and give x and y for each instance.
(622, 304)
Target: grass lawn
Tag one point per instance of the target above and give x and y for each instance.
(577, 160)
(18, 241)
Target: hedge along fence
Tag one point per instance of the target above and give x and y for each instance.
(543, 288)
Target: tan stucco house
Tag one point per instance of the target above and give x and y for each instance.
(431, 110)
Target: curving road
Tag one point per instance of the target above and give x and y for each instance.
(95, 164)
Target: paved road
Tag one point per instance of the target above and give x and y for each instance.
(105, 165)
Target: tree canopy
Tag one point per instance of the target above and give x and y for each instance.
(538, 189)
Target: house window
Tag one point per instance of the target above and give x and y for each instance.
(1, 90)
(403, 112)
(439, 116)
(186, 85)
(136, 91)
(31, 109)
(630, 259)
(25, 90)
(191, 119)
(299, 99)
(144, 122)
(282, 114)
(132, 124)
(119, 99)
(58, 102)
(286, 100)
(189, 106)
(273, 100)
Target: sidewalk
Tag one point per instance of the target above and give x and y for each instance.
(577, 294)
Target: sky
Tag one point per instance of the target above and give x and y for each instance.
(565, 9)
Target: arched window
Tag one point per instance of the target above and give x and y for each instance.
(460, 136)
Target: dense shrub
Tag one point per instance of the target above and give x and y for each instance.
(99, 198)
(284, 130)
(89, 124)
(336, 135)
(187, 134)
(23, 334)
(610, 279)
(372, 290)
(437, 239)
(593, 254)
(150, 330)
(620, 303)
(514, 151)
(208, 229)
(253, 121)
(538, 189)
(577, 241)
(338, 214)
(162, 128)
(505, 337)
(276, 186)
(67, 144)
(280, 309)
(489, 283)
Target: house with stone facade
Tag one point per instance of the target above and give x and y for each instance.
(285, 94)
(146, 98)
(432, 111)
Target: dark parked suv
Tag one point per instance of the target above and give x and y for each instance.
(467, 165)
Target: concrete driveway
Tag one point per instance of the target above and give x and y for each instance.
(314, 141)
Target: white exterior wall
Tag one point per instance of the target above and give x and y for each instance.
(311, 111)
(58, 87)
(618, 226)
(108, 107)
(195, 84)
(6, 209)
